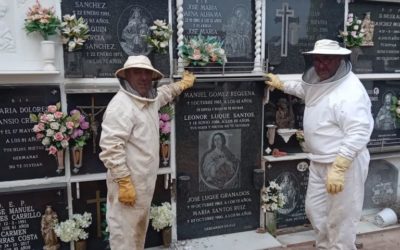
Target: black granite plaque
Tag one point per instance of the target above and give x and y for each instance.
(232, 21)
(381, 184)
(382, 54)
(93, 107)
(23, 157)
(117, 30)
(293, 26)
(21, 214)
(292, 176)
(218, 144)
(386, 133)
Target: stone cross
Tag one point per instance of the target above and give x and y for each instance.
(284, 13)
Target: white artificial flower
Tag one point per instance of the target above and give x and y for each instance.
(46, 141)
(54, 125)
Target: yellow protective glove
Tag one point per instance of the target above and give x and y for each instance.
(335, 177)
(187, 80)
(126, 193)
(274, 81)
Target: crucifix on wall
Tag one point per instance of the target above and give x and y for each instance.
(284, 13)
(92, 111)
(98, 200)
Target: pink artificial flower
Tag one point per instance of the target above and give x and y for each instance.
(77, 133)
(39, 136)
(165, 117)
(161, 122)
(43, 118)
(84, 125)
(166, 129)
(58, 114)
(70, 125)
(52, 150)
(58, 136)
(36, 128)
(41, 126)
(196, 54)
(52, 108)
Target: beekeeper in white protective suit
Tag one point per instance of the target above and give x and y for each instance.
(130, 149)
(337, 127)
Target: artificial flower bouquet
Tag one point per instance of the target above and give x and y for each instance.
(160, 33)
(74, 32)
(165, 115)
(272, 198)
(161, 216)
(53, 129)
(74, 229)
(81, 130)
(201, 50)
(41, 20)
(354, 35)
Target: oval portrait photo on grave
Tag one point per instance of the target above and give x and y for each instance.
(219, 161)
(133, 28)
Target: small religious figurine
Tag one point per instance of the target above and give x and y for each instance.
(284, 114)
(368, 26)
(49, 219)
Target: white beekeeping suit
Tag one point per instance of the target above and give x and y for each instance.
(337, 127)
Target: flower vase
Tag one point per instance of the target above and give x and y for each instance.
(77, 153)
(48, 51)
(60, 160)
(166, 236)
(270, 222)
(355, 53)
(165, 153)
(80, 245)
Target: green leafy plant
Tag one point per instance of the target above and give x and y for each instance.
(201, 50)
(354, 34)
(159, 37)
(41, 20)
(74, 31)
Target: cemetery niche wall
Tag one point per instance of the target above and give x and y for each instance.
(218, 145)
(293, 26)
(117, 30)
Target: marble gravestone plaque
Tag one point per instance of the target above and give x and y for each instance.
(117, 30)
(218, 144)
(232, 21)
(381, 184)
(21, 215)
(292, 176)
(93, 107)
(386, 133)
(23, 156)
(293, 26)
(380, 52)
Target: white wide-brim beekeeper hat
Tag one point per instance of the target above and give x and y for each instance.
(138, 62)
(327, 47)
